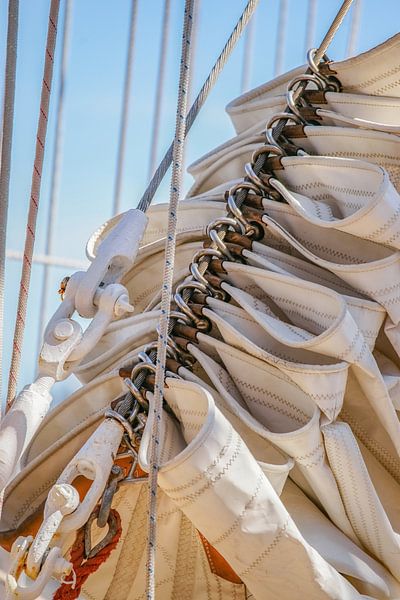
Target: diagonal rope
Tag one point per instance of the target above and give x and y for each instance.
(330, 34)
(6, 147)
(162, 168)
(160, 87)
(166, 295)
(34, 202)
(56, 164)
(125, 109)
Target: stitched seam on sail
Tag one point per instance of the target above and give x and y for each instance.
(190, 498)
(387, 225)
(353, 507)
(375, 79)
(335, 188)
(329, 251)
(267, 550)
(318, 456)
(237, 521)
(203, 473)
(293, 411)
(388, 462)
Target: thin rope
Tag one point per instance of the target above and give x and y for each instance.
(6, 147)
(162, 168)
(82, 567)
(247, 63)
(34, 202)
(354, 28)
(311, 25)
(166, 295)
(193, 48)
(193, 57)
(56, 164)
(330, 34)
(125, 109)
(282, 33)
(160, 87)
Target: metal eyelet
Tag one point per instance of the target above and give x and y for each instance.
(331, 84)
(211, 252)
(312, 77)
(201, 324)
(293, 107)
(214, 237)
(180, 316)
(194, 269)
(248, 167)
(266, 149)
(191, 285)
(236, 226)
(154, 345)
(281, 116)
(234, 209)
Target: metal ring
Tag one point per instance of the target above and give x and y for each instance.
(192, 285)
(243, 185)
(292, 105)
(186, 358)
(143, 357)
(282, 116)
(142, 366)
(197, 256)
(313, 77)
(266, 149)
(178, 315)
(201, 324)
(225, 221)
(194, 269)
(154, 345)
(213, 235)
(248, 167)
(330, 83)
(233, 207)
(136, 393)
(109, 413)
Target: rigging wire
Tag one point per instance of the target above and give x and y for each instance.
(354, 28)
(6, 148)
(33, 203)
(165, 163)
(166, 294)
(193, 57)
(330, 34)
(56, 164)
(248, 49)
(281, 41)
(160, 87)
(311, 25)
(125, 109)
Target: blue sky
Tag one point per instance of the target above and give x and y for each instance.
(92, 111)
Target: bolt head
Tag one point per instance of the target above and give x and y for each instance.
(63, 330)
